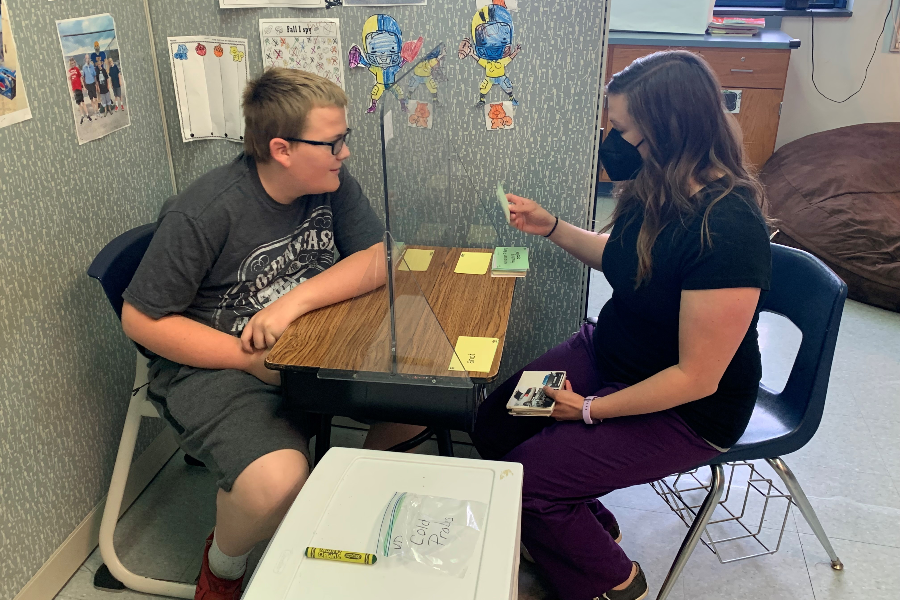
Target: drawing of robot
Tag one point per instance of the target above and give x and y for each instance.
(383, 53)
(492, 32)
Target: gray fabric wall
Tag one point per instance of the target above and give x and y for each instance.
(548, 156)
(65, 366)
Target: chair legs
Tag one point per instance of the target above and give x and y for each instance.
(806, 509)
(444, 441)
(716, 487)
(137, 408)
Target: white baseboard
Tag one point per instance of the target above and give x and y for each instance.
(62, 564)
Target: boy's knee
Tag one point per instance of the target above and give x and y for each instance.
(270, 484)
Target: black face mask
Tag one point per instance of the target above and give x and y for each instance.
(620, 159)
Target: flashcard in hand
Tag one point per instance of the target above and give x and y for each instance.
(501, 198)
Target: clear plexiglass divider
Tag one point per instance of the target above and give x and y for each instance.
(431, 202)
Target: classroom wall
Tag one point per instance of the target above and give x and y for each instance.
(843, 47)
(548, 156)
(65, 367)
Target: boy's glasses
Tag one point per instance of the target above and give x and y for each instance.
(336, 146)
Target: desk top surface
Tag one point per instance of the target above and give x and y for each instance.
(354, 335)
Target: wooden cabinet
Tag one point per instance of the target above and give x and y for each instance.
(759, 75)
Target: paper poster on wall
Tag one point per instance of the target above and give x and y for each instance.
(210, 74)
(510, 4)
(312, 45)
(421, 114)
(383, 53)
(13, 102)
(427, 74)
(500, 115)
(384, 3)
(272, 3)
(491, 47)
(95, 76)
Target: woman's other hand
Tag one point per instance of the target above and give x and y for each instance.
(528, 216)
(568, 403)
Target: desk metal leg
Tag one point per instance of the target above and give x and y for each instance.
(445, 443)
(323, 437)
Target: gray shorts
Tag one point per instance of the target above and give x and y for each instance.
(226, 418)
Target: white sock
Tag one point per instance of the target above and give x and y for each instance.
(224, 566)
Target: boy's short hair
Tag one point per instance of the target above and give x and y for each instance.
(276, 104)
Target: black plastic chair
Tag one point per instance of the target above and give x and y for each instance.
(811, 296)
(114, 267)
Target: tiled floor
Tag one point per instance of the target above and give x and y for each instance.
(850, 471)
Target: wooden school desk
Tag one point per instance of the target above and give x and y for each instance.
(337, 361)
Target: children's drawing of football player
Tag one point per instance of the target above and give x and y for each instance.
(383, 53)
(427, 72)
(492, 31)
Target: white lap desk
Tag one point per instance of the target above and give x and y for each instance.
(340, 506)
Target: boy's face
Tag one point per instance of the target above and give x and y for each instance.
(314, 168)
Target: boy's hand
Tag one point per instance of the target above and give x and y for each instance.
(266, 326)
(528, 216)
(568, 404)
(257, 368)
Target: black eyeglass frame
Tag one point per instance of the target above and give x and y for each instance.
(336, 146)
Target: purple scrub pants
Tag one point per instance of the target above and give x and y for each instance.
(569, 464)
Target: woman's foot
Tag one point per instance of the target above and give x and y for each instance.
(633, 588)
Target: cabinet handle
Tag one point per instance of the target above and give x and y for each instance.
(742, 70)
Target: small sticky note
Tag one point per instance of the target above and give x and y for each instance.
(504, 203)
(415, 259)
(476, 354)
(473, 263)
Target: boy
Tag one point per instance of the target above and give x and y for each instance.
(237, 257)
(103, 87)
(77, 89)
(115, 78)
(89, 76)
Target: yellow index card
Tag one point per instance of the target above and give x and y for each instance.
(476, 354)
(416, 260)
(473, 263)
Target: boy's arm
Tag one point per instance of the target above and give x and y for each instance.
(188, 342)
(357, 274)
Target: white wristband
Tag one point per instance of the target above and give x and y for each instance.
(586, 410)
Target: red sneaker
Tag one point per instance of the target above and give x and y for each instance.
(210, 587)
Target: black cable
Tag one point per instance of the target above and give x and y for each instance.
(865, 76)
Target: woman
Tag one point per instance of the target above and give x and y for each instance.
(668, 378)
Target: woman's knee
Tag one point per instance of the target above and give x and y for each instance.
(269, 485)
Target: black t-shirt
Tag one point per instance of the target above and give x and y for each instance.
(637, 330)
(103, 80)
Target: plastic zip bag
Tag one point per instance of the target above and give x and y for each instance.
(431, 531)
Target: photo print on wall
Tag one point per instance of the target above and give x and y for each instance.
(96, 78)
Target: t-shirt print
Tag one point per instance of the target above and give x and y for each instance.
(275, 268)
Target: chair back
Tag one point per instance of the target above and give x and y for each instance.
(116, 263)
(811, 296)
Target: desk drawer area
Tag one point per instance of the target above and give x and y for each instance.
(735, 67)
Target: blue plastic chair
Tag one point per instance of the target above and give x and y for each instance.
(811, 296)
(114, 267)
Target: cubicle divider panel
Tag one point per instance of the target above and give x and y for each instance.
(549, 153)
(65, 366)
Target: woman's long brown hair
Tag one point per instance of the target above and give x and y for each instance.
(675, 100)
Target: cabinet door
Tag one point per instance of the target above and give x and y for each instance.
(759, 123)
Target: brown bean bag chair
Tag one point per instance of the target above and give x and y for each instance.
(836, 194)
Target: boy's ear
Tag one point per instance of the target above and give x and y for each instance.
(279, 150)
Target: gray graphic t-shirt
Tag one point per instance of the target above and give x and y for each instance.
(224, 249)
